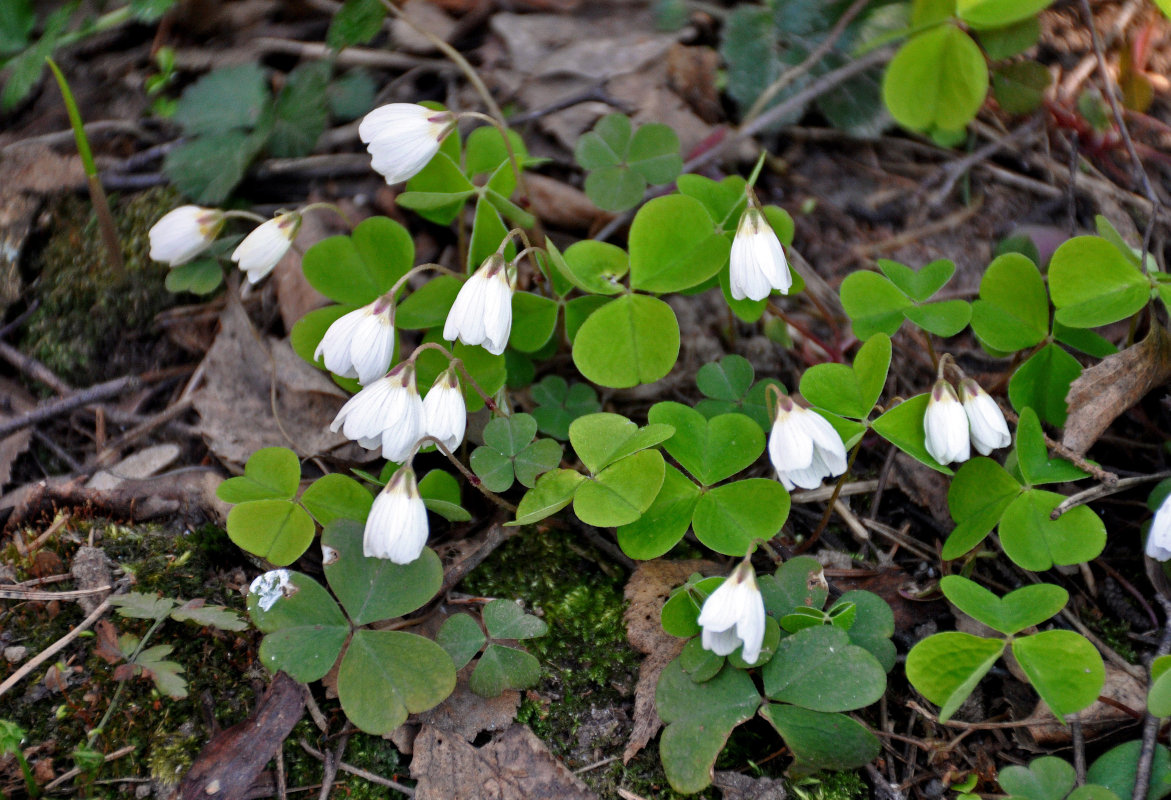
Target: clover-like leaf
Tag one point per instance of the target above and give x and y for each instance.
(278, 531)
(356, 269)
(501, 668)
(620, 493)
(819, 669)
(631, 340)
(1033, 460)
(304, 626)
(729, 518)
(553, 492)
(1117, 767)
(559, 404)
(711, 450)
(821, 740)
(386, 675)
(602, 439)
(507, 620)
(1042, 382)
(1064, 667)
(1011, 614)
(946, 667)
(272, 473)
(699, 718)
(461, 637)
(663, 524)
(1046, 778)
(1036, 542)
(374, 589)
(337, 496)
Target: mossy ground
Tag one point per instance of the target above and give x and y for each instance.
(93, 323)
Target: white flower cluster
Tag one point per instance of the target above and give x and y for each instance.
(803, 446)
(187, 231)
(389, 413)
(949, 425)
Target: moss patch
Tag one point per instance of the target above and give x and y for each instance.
(93, 323)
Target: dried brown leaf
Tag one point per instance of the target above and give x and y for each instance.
(647, 590)
(236, 403)
(1107, 389)
(15, 401)
(513, 766)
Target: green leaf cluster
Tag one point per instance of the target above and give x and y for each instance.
(811, 671)
(1063, 666)
(621, 160)
(510, 453)
(384, 674)
(500, 666)
(229, 117)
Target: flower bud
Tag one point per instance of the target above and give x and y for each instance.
(184, 233)
(482, 311)
(945, 425)
(266, 245)
(757, 264)
(403, 137)
(733, 615)
(396, 528)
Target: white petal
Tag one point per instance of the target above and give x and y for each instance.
(396, 528)
(184, 232)
(986, 421)
(722, 643)
(497, 313)
(334, 348)
(1159, 538)
(266, 245)
(465, 320)
(445, 415)
(790, 447)
(402, 138)
(751, 627)
(371, 348)
(757, 262)
(945, 426)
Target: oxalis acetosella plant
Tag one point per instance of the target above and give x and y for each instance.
(767, 637)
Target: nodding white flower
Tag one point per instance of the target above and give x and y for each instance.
(1159, 537)
(360, 344)
(803, 446)
(184, 233)
(734, 614)
(985, 419)
(757, 264)
(266, 245)
(946, 425)
(482, 311)
(403, 137)
(396, 528)
(388, 411)
(444, 412)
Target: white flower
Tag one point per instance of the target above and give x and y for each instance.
(360, 344)
(403, 137)
(985, 419)
(183, 233)
(803, 446)
(1159, 537)
(758, 262)
(389, 411)
(734, 614)
(946, 425)
(482, 311)
(266, 245)
(397, 525)
(444, 410)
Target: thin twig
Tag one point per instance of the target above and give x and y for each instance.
(955, 170)
(54, 648)
(826, 492)
(1124, 132)
(9, 593)
(33, 368)
(331, 762)
(1105, 490)
(1079, 750)
(360, 773)
(811, 61)
(1146, 755)
(83, 397)
(73, 773)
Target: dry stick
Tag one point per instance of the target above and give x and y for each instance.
(351, 56)
(1116, 110)
(84, 397)
(1079, 750)
(826, 492)
(137, 432)
(9, 593)
(54, 648)
(33, 368)
(73, 773)
(1105, 490)
(331, 764)
(360, 773)
(955, 170)
(1146, 755)
(1104, 476)
(824, 84)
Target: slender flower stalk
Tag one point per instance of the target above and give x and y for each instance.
(396, 528)
(183, 233)
(266, 245)
(945, 425)
(482, 312)
(733, 615)
(986, 422)
(360, 344)
(803, 447)
(403, 137)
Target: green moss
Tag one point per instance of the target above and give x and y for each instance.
(92, 323)
(371, 753)
(167, 734)
(830, 786)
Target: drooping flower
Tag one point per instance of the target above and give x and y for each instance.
(803, 446)
(757, 264)
(985, 419)
(403, 137)
(396, 528)
(733, 615)
(388, 411)
(946, 425)
(184, 233)
(360, 344)
(444, 410)
(1159, 536)
(266, 245)
(482, 311)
